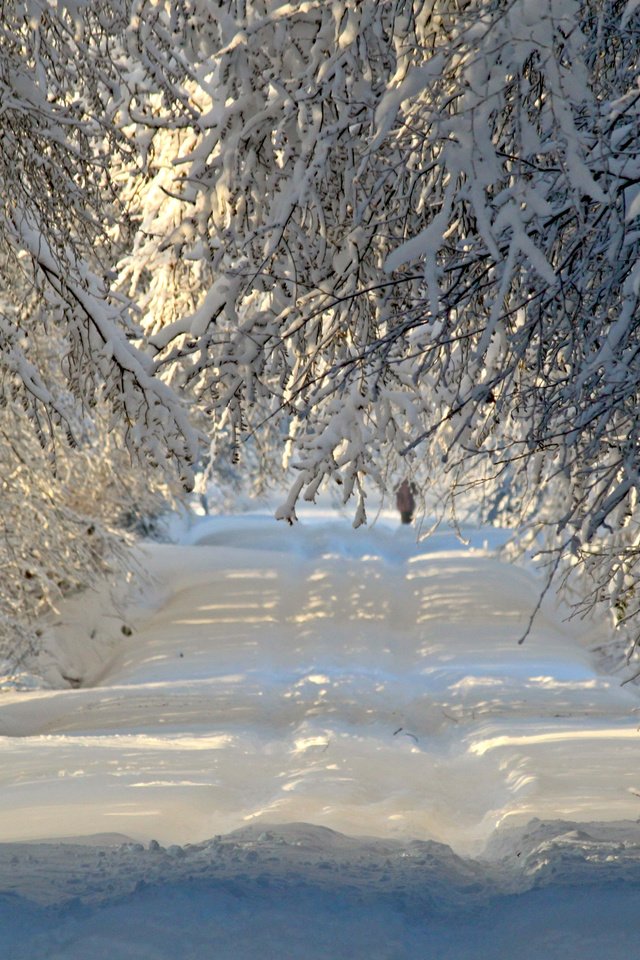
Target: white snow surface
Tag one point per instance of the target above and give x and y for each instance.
(319, 742)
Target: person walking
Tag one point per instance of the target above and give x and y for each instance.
(405, 501)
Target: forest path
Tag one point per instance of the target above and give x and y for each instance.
(357, 681)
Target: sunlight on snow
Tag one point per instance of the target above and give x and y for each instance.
(363, 689)
(555, 736)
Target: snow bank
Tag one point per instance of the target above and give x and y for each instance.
(305, 892)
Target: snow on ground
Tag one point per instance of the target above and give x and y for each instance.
(274, 697)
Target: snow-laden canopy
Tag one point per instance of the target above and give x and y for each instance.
(372, 240)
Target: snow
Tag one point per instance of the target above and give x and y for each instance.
(319, 742)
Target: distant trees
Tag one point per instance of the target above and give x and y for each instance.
(381, 239)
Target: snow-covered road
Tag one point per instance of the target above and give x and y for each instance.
(353, 681)
(356, 681)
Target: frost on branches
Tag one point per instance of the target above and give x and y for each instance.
(83, 414)
(420, 224)
(364, 240)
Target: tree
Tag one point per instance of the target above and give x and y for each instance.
(76, 389)
(420, 222)
(381, 239)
